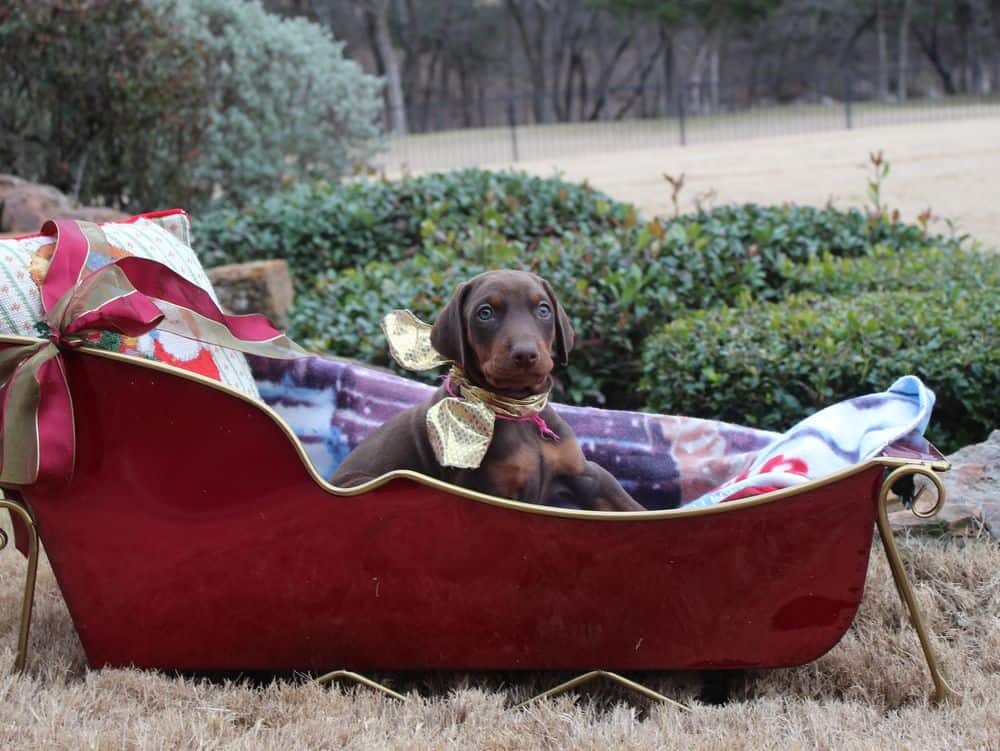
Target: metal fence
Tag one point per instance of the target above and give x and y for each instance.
(529, 127)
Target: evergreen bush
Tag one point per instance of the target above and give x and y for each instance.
(101, 99)
(770, 366)
(320, 227)
(283, 102)
(146, 104)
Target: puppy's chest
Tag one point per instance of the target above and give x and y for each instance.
(520, 462)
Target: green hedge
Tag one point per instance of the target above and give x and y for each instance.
(770, 366)
(886, 268)
(323, 227)
(798, 233)
(617, 287)
(609, 299)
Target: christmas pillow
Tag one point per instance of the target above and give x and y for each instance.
(163, 237)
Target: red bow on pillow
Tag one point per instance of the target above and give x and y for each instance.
(130, 297)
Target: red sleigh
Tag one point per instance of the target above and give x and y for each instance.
(195, 533)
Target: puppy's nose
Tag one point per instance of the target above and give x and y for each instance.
(524, 355)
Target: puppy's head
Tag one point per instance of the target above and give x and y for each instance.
(505, 329)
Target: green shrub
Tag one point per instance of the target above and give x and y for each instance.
(798, 233)
(770, 366)
(617, 286)
(910, 268)
(608, 295)
(153, 103)
(284, 104)
(100, 99)
(322, 227)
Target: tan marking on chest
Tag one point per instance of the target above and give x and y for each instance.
(510, 476)
(563, 457)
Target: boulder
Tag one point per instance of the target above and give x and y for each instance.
(974, 480)
(255, 287)
(26, 207)
(972, 485)
(9, 183)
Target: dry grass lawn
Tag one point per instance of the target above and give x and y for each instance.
(951, 167)
(869, 692)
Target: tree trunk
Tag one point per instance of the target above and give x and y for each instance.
(929, 46)
(903, 75)
(713, 70)
(534, 54)
(442, 115)
(409, 23)
(604, 82)
(882, 84)
(668, 69)
(463, 83)
(695, 77)
(425, 110)
(640, 88)
(387, 52)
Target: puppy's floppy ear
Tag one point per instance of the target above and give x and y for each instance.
(565, 336)
(448, 332)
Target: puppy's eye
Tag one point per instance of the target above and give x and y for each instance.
(544, 311)
(484, 313)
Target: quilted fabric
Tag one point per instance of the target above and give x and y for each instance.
(163, 237)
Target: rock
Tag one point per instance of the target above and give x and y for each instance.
(972, 486)
(256, 287)
(9, 183)
(974, 480)
(26, 207)
(955, 520)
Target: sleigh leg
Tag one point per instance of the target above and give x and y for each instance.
(942, 690)
(28, 596)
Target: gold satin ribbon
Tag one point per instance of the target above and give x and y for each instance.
(460, 426)
(129, 296)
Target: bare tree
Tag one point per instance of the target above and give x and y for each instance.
(882, 74)
(531, 20)
(457, 63)
(902, 51)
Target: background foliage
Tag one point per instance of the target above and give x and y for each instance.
(152, 103)
(283, 103)
(768, 366)
(757, 315)
(119, 126)
(321, 227)
(598, 60)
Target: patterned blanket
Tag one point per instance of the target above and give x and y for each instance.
(663, 461)
(832, 439)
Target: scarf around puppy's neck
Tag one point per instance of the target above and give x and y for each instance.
(460, 426)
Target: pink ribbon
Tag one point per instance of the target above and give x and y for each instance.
(128, 296)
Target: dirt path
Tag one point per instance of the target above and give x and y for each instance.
(951, 167)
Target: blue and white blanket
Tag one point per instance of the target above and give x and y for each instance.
(832, 439)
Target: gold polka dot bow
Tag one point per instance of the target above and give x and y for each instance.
(460, 426)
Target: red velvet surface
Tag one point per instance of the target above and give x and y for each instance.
(192, 537)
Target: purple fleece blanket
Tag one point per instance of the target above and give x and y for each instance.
(662, 460)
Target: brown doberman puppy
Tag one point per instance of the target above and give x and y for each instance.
(502, 329)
